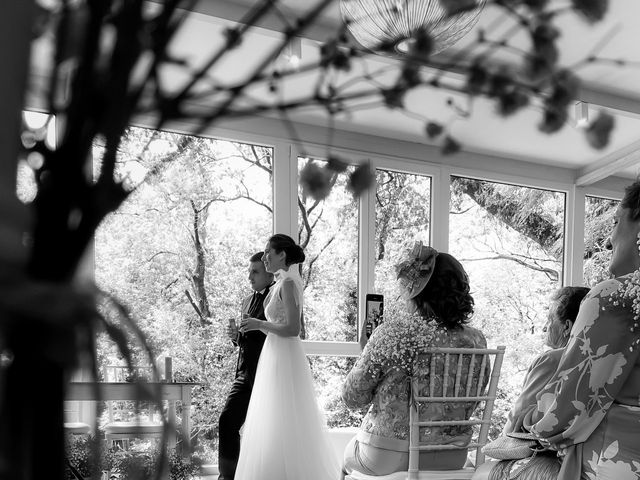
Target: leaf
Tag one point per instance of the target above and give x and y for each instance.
(315, 181)
(450, 146)
(599, 132)
(611, 451)
(592, 10)
(536, 4)
(457, 7)
(578, 405)
(361, 179)
(336, 164)
(601, 350)
(477, 78)
(434, 129)
(553, 120)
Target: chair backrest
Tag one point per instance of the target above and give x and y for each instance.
(455, 376)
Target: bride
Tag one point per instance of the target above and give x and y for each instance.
(284, 436)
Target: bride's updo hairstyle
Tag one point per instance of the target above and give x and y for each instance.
(280, 242)
(446, 294)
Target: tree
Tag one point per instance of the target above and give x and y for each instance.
(104, 96)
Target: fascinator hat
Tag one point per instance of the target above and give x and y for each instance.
(414, 273)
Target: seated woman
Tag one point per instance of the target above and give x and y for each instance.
(439, 304)
(589, 410)
(563, 311)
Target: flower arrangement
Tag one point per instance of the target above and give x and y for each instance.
(628, 292)
(401, 341)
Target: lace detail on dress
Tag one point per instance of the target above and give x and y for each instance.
(274, 306)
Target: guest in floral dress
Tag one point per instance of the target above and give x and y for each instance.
(589, 411)
(437, 291)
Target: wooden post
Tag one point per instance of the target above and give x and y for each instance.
(15, 36)
(168, 369)
(22, 455)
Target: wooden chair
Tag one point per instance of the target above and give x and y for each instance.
(455, 388)
(144, 425)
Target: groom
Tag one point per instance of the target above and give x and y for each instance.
(250, 345)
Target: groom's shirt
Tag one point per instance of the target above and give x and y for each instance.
(250, 343)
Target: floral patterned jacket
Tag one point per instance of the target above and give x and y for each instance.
(373, 381)
(589, 411)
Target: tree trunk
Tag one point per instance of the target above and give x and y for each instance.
(533, 226)
(199, 274)
(32, 388)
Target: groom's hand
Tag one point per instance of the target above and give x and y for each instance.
(249, 324)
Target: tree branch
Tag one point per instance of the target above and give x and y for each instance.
(549, 272)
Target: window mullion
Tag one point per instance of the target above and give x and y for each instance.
(285, 189)
(440, 199)
(366, 254)
(574, 236)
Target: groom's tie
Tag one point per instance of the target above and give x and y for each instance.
(255, 302)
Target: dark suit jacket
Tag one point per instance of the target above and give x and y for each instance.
(250, 343)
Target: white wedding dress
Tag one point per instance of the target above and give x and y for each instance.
(284, 435)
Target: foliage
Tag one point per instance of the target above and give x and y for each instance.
(146, 253)
(139, 462)
(106, 68)
(599, 214)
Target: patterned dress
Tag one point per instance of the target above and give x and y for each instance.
(589, 411)
(386, 425)
(540, 372)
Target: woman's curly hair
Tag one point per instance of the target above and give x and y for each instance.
(447, 294)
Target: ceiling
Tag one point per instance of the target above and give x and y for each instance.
(605, 86)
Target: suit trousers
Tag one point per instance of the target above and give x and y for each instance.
(231, 420)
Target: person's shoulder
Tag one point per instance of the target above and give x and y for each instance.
(287, 284)
(606, 287)
(460, 337)
(475, 335)
(548, 357)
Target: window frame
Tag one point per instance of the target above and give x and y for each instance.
(410, 158)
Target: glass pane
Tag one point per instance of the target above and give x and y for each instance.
(510, 241)
(177, 252)
(329, 374)
(403, 216)
(598, 222)
(328, 232)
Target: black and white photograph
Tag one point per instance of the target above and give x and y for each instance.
(320, 240)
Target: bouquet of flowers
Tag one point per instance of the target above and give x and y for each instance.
(402, 340)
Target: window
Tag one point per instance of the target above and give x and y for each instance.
(328, 232)
(510, 240)
(403, 216)
(329, 373)
(598, 223)
(177, 253)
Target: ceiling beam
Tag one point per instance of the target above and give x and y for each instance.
(324, 28)
(321, 29)
(609, 165)
(624, 104)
